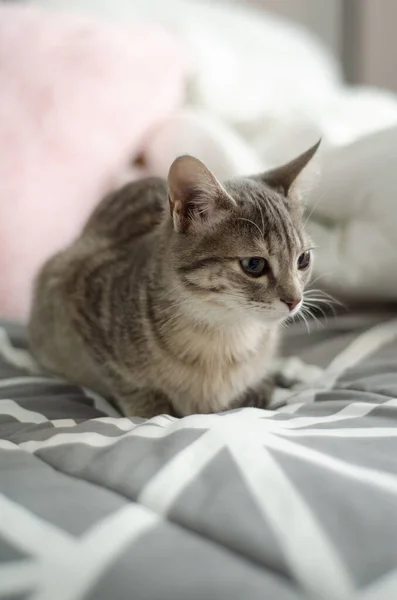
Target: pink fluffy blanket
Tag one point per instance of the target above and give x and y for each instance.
(78, 101)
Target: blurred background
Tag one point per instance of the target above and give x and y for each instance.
(361, 33)
(97, 92)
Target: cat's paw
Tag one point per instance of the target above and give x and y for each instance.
(293, 373)
(258, 397)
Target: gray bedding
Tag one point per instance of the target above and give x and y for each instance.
(298, 502)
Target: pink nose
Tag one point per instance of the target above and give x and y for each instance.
(292, 303)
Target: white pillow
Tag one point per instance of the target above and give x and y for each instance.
(354, 219)
(241, 62)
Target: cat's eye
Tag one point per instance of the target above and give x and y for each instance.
(255, 266)
(304, 260)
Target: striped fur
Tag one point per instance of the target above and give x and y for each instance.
(154, 310)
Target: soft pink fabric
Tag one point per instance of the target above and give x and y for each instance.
(77, 101)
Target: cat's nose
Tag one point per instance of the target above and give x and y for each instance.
(292, 303)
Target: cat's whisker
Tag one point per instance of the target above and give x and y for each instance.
(321, 276)
(319, 304)
(310, 306)
(317, 299)
(169, 292)
(322, 293)
(309, 314)
(305, 322)
(317, 296)
(252, 223)
(321, 299)
(171, 307)
(263, 222)
(319, 199)
(320, 296)
(262, 218)
(302, 318)
(181, 304)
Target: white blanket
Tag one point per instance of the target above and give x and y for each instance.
(261, 91)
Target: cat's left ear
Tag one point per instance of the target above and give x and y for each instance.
(294, 174)
(196, 197)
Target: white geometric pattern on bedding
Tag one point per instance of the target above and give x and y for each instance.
(292, 503)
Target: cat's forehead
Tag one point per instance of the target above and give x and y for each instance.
(263, 215)
(255, 199)
(248, 191)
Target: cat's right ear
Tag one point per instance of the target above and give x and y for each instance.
(196, 197)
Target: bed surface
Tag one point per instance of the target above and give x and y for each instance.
(294, 503)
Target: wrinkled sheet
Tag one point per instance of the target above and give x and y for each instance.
(294, 503)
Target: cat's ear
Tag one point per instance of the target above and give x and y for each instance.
(196, 197)
(286, 177)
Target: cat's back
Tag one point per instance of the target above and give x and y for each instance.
(129, 213)
(78, 281)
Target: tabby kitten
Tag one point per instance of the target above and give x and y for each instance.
(177, 309)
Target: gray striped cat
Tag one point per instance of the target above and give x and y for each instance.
(171, 299)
